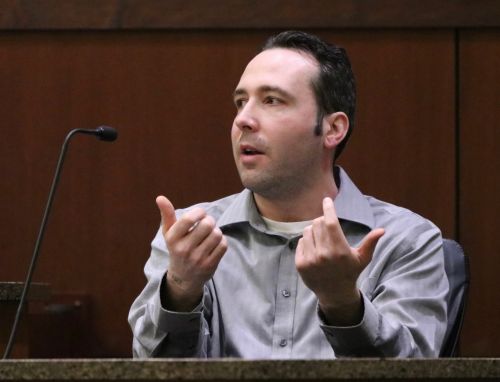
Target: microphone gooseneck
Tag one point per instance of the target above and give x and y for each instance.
(104, 133)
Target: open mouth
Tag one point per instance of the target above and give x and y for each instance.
(249, 150)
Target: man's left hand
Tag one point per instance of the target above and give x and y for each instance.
(330, 267)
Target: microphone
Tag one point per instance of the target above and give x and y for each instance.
(104, 133)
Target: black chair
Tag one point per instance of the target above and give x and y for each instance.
(456, 266)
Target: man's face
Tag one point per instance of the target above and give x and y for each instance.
(276, 151)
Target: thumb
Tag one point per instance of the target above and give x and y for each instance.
(167, 213)
(365, 250)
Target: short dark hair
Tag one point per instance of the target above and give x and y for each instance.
(335, 87)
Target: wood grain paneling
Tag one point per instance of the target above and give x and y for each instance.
(403, 145)
(238, 14)
(169, 97)
(168, 94)
(480, 185)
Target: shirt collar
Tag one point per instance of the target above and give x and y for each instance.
(350, 205)
(242, 209)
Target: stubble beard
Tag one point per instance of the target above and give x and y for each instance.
(279, 183)
(287, 179)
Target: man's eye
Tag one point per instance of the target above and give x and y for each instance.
(239, 103)
(273, 101)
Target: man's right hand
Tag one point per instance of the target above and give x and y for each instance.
(196, 246)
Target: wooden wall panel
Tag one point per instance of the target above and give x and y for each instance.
(480, 186)
(169, 97)
(243, 14)
(168, 94)
(403, 146)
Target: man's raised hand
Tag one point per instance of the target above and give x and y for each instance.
(196, 247)
(330, 267)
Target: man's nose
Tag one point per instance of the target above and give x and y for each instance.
(246, 119)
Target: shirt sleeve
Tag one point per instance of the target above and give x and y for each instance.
(404, 296)
(158, 332)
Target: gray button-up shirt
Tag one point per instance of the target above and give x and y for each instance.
(256, 305)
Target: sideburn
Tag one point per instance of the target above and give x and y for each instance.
(318, 129)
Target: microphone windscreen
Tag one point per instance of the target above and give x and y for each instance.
(106, 133)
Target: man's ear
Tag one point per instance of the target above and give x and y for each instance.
(338, 126)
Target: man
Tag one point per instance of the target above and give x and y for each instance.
(300, 264)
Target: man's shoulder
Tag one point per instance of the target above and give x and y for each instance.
(353, 204)
(407, 234)
(398, 219)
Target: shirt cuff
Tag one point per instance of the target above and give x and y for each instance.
(353, 340)
(171, 321)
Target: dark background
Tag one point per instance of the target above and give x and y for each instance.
(162, 73)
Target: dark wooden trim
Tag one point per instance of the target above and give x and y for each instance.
(11, 291)
(245, 14)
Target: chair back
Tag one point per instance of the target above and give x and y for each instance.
(456, 266)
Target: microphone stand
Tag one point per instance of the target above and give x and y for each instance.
(38, 243)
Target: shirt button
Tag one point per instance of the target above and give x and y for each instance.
(285, 293)
(283, 343)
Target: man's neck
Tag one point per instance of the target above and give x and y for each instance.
(297, 207)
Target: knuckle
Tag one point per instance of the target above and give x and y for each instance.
(332, 224)
(207, 223)
(217, 234)
(188, 220)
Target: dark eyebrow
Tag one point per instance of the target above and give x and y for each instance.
(276, 89)
(238, 92)
(265, 89)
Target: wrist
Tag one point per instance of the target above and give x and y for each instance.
(180, 295)
(345, 311)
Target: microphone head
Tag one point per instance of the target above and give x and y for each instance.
(106, 133)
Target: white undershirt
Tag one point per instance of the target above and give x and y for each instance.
(287, 228)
